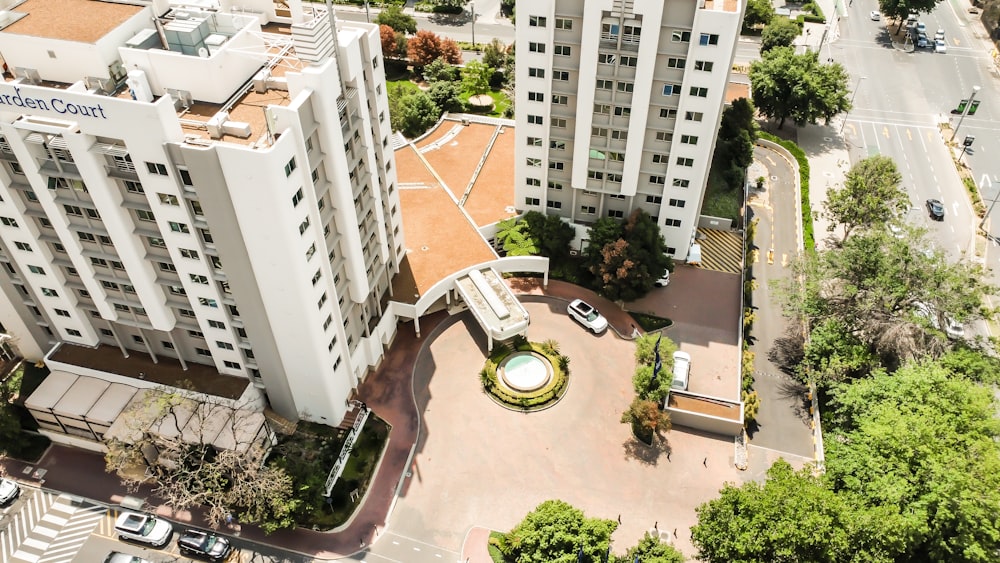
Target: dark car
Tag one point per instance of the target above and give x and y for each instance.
(936, 209)
(204, 545)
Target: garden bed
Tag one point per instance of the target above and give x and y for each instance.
(538, 399)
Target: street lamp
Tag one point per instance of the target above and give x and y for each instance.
(965, 111)
(854, 95)
(472, 6)
(986, 180)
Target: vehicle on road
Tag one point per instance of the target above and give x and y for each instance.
(587, 315)
(205, 545)
(118, 557)
(922, 41)
(664, 280)
(936, 209)
(921, 27)
(940, 46)
(939, 35)
(8, 491)
(875, 15)
(682, 369)
(144, 528)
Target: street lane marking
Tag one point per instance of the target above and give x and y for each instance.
(885, 131)
(909, 134)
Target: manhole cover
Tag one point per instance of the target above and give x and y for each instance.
(774, 177)
(828, 139)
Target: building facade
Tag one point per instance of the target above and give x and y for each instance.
(618, 107)
(210, 185)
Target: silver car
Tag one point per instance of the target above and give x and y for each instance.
(8, 491)
(144, 528)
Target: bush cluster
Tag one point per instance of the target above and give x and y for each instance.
(526, 401)
(803, 162)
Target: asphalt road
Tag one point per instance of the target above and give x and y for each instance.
(457, 27)
(900, 97)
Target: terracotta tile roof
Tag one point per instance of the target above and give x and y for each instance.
(83, 21)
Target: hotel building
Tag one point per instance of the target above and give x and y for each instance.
(618, 107)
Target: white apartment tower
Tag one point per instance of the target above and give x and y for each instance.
(618, 107)
(207, 181)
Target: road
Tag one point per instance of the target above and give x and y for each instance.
(458, 27)
(900, 97)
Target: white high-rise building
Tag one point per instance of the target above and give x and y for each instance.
(618, 107)
(198, 183)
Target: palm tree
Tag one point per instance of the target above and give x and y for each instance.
(513, 239)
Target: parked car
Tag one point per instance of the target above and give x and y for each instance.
(939, 35)
(923, 42)
(588, 316)
(144, 528)
(936, 209)
(682, 369)
(953, 328)
(875, 15)
(9, 491)
(922, 27)
(118, 557)
(664, 280)
(204, 545)
(940, 46)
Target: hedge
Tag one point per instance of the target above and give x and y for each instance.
(525, 401)
(807, 221)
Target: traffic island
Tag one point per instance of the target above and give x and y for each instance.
(525, 376)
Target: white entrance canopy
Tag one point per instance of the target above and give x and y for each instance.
(493, 304)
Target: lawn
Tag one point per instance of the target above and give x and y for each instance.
(720, 201)
(500, 102)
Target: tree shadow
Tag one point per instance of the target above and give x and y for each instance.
(797, 394)
(454, 20)
(647, 454)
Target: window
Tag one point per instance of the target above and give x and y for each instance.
(693, 116)
(70, 271)
(322, 300)
(668, 113)
(106, 332)
(612, 177)
(624, 111)
(224, 345)
(156, 241)
(206, 234)
(8, 221)
(185, 177)
(187, 253)
(564, 50)
(654, 179)
(660, 159)
(166, 266)
(73, 210)
(73, 332)
(558, 122)
(532, 201)
(195, 278)
(176, 290)
(664, 136)
(128, 288)
(535, 120)
(682, 161)
(554, 185)
(595, 174)
(297, 197)
(632, 30)
(606, 58)
(336, 364)
(671, 89)
(563, 23)
(49, 292)
(202, 352)
(681, 183)
(604, 84)
(99, 262)
(536, 97)
(533, 182)
(625, 86)
(689, 139)
(92, 213)
(86, 237)
(588, 209)
(310, 251)
(602, 109)
(553, 204)
(133, 187)
(179, 227)
(562, 75)
(698, 91)
(557, 145)
(208, 302)
(705, 66)
(144, 215)
(290, 167)
(536, 72)
(23, 246)
(231, 365)
(556, 165)
(137, 339)
(536, 21)
(598, 132)
(672, 222)
(167, 199)
(158, 169)
(676, 202)
(615, 156)
(619, 135)
(674, 62)
(536, 47)
(303, 226)
(616, 213)
(185, 312)
(104, 239)
(317, 276)
(708, 39)
(558, 100)
(62, 312)
(533, 162)
(36, 270)
(654, 199)
(680, 36)
(629, 61)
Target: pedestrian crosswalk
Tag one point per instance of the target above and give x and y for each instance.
(49, 528)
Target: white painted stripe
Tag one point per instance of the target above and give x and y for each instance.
(22, 556)
(55, 519)
(36, 544)
(45, 531)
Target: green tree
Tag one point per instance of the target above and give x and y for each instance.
(514, 239)
(734, 146)
(440, 71)
(417, 113)
(12, 439)
(900, 9)
(476, 77)
(870, 198)
(555, 532)
(449, 3)
(646, 418)
(798, 87)
(626, 267)
(758, 13)
(551, 233)
(394, 17)
(792, 516)
(780, 32)
(975, 365)
(651, 550)
(645, 349)
(922, 445)
(446, 95)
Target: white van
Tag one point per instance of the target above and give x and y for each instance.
(682, 368)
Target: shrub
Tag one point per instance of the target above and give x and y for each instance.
(526, 401)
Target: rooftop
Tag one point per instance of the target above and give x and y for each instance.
(723, 5)
(83, 21)
(737, 90)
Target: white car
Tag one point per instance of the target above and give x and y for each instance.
(939, 34)
(664, 281)
(953, 328)
(588, 316)
(940, 46)
(875, 15)
(144, 528)
(8, 491)
(682, 369)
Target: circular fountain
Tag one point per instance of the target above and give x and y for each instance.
(525, 371)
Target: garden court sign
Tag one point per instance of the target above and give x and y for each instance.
(55, 104)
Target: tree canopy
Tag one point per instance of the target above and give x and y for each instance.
(551, 234)
(651, 550)
(439, 70)
(900, 9)
(426, 46)
(556, 532)
(779, 32)
(476, 77)
(759, 12)
(417, 113)
(394, 17)
(514, 238)
(387, 36)
(870, 198)
(797, 87)
(626, 257)
(734, 146)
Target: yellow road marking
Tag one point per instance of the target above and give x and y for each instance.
(885, 132)
(770, 256)
(771, 160)
(851, 126)
(909, 134)
(784, 260)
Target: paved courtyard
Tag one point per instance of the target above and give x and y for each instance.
(477, 464)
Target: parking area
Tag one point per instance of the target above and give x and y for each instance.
(478, 464)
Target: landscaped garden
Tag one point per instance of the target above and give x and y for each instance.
(537, 392)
